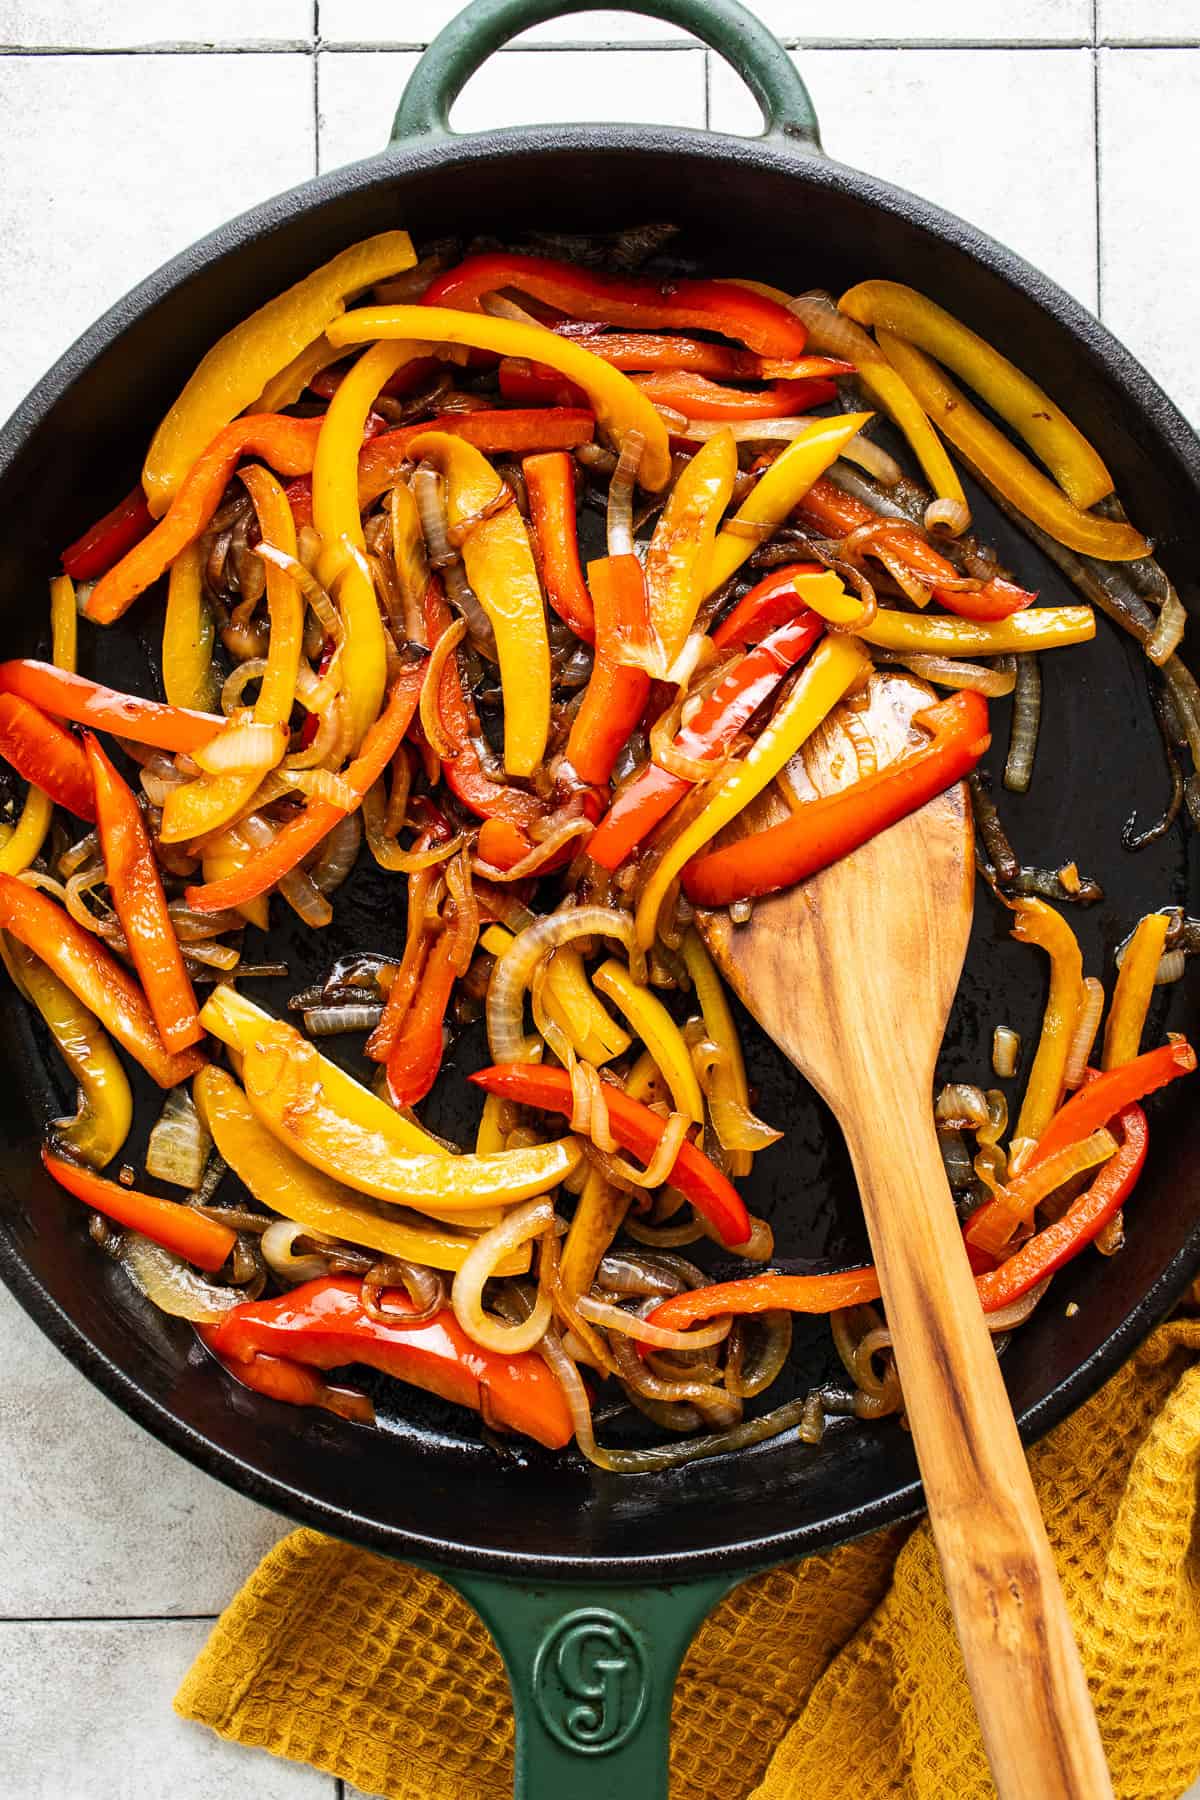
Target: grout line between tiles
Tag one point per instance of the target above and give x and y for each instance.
(707, 90)
(1099, 177)
(207, 1618)
(290, 46)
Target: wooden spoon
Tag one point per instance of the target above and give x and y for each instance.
(853, 974)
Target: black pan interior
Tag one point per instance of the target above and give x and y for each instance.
(428, 1484)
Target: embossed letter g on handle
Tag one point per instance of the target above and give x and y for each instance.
(590, 1680)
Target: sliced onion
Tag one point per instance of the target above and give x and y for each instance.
(1006, 1049)
(744, 431)
(173, 1285)
(387, 852)
(874, 459)
(192, 927)
(429, 492)
(1087, 1024)
(615, 1318)
(333, 1021)
(179, 1145)
(278, 1242)
(619, 525)
(949, 518)
(622, 1172)
(213, 956)
(514, 969)
(953, 672)
(315, 595)
(339, 852)
(430, 704)
(665, 755)
(426, 1288)
(716, 1408)
(464, 924)
(253, 669)
(1027, 714)
(84, 850)
(1007, 1318)
(81, 883)
(529, 1220)
(246, 748)
(1167, 635)
(1171, 964)
(323, 784)
(776, 1331)
(297, 886)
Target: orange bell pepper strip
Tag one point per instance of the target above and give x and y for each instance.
(408, 974)
(550, 484)
(618, 406)
(39, 749)
(768, 1293)
(721, 715)
(93, 974)
(838, 514)
(323, 1325)
(287, 445)
(637, 302)
(137, 891)
(237, 368)
(635, 1129)
(70, 696)
(616, 694)
(178, 1228)
(416, 1056)
(822, 831)
(291, 1382)
(105, 542)
(318, 817)
(696, 397)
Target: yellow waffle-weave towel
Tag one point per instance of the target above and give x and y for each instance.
(835, 1679)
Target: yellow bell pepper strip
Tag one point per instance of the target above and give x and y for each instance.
(728, 1080)
(779, 489)
(290, 1187)
(618, 405)
(653, 1024)
(828, 330)
(305, 831)
(343, 566)
(1075, 465)
(287, 444)
(195, 808)
(189, 635)
(1039, 924)
(499, 562)
(677, 560)
(239, 1023)
(216, 865)
(137, 893)
(1134, 991)
(823, 830)
(19, 847)
(285, 389)
(1037, 628)
(367, 1149)
(101, 1124)
(1001, 463)
(594, 1033)
(246, 358)
(491, 1134)
(176, 1227)
(599, 1213)
(64, 623)
(834, 666)
(23, 844)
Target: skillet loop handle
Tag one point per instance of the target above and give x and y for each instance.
(724, 25)
(592, 1670)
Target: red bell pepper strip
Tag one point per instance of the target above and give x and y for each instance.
(492, 431)
(824, 830)
(550, 483)
(769, 1293)
(533, 384)
(615, 695)
(408, 378)
(416, 1055)
(643, 350)
(287, 445)
(38, 748)
(94, 976)
(105, 542)
(838, 514)
(770, 603)
(464, 773)
(637, 1130)
(636, 302)
(723, 713)
(137, 892)
(318, 817)
(68, 696)
(1108, 1094)
(324, 1325)
(176, 1227)
(696, 397)
(291, 1382)
(1082, 1221)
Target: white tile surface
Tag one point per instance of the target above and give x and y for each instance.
(360, 90)
(118, 1738)
(1150, 273)
(99, 1518)
(975, 130)
(1153, 21)
(889, 21)
(91, 208)
(124, 23)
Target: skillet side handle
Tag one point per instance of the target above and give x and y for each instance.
(724, 25)
(592, 1670)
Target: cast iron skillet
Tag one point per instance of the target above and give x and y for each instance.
(573, 1569)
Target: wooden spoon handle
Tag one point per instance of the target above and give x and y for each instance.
(1025, 1676)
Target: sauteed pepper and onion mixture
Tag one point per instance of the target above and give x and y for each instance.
(359, 531)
